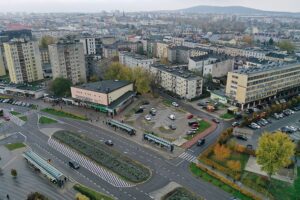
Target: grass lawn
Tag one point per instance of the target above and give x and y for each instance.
(63, 114)
(91, 194)
(24, 118)
(203, 125)
(205, 176)
(46, 120)
(279, 190)
(14, 146)
(227, 116)
(14, 113)
(167, 102)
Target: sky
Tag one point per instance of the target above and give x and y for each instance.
(138, 5)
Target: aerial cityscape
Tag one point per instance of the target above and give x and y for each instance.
(141, 100)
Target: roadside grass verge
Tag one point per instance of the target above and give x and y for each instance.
(14, 146)
(125, 167)
(203, 125)
(46, 120)
(14, 113)
(180, 193)
(63, 114)
(207, 177)
(91, 194)
(227, 116)
(24, 118)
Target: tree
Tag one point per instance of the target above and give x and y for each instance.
(36, 196)
(14, 172)
(221, 152)
(61, 87)
(234, 165)
(271, 41)
(80, 196)
(248, 39)
(286, 45)
(274, 152)
(46, 40)
(94, 78)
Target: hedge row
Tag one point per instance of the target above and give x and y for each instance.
(230, 183)
(105, 156)
(180, 193)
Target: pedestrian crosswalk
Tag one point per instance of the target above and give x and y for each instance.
(188, 157)
(89, 165)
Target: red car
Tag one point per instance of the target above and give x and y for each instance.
(195, 125)
(190, 116)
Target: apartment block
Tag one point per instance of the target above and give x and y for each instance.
(2, 63)
(91, 45)
(181, 54)
(67, 60)
(161, 50)
(23, 60)
(251, 86)
(178, 80)
(135, 60)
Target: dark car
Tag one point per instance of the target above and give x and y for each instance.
(73, 164)
(109, 143)
(172, 127)
(192, 122)
(216, 120)
(145, 102)
(141, 110)
(235, 124)
(242, 137)
(201, 142)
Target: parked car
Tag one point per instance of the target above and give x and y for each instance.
(109, 143)
(172, 126)
(145, 102)
(153, 111)
(140, 110)
(191, 132)
(235, 124)
(242, 137)
(216, 120)
(73, 164)
(175, 104)
(249, 146)
(195, 125)
(286, 129)
(172, 117)
(254, 126)
(148, 117)
(190, 116)
(190, 123)
(201, 142)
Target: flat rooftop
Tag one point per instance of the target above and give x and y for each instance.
(135, 56)
(106, 86)
(265, 68)
(180, 71)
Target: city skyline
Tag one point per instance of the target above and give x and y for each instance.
(135, 5)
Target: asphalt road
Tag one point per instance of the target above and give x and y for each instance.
(163, 170)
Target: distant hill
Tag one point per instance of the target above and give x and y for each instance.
(232, 10)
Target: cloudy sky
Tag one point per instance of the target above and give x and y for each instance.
(138, 5)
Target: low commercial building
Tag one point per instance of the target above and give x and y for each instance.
(130, 59)
(178, 80)
(248, 87)
(23, 90)
(110, 96)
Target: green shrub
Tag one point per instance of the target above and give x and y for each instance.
(91, 194)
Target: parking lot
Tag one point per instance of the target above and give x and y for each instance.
(274, 125)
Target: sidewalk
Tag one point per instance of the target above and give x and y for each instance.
(237, 183)
(199, 136)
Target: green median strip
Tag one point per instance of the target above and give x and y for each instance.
(63, 114)
(14, 113)
(105, 156)
(24, 118)
(14, 146)
(91, 194)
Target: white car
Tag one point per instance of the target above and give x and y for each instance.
(175, 104)
(172, 117)
(148, 117)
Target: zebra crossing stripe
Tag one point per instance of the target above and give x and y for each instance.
(89, 165)
(188, 157)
